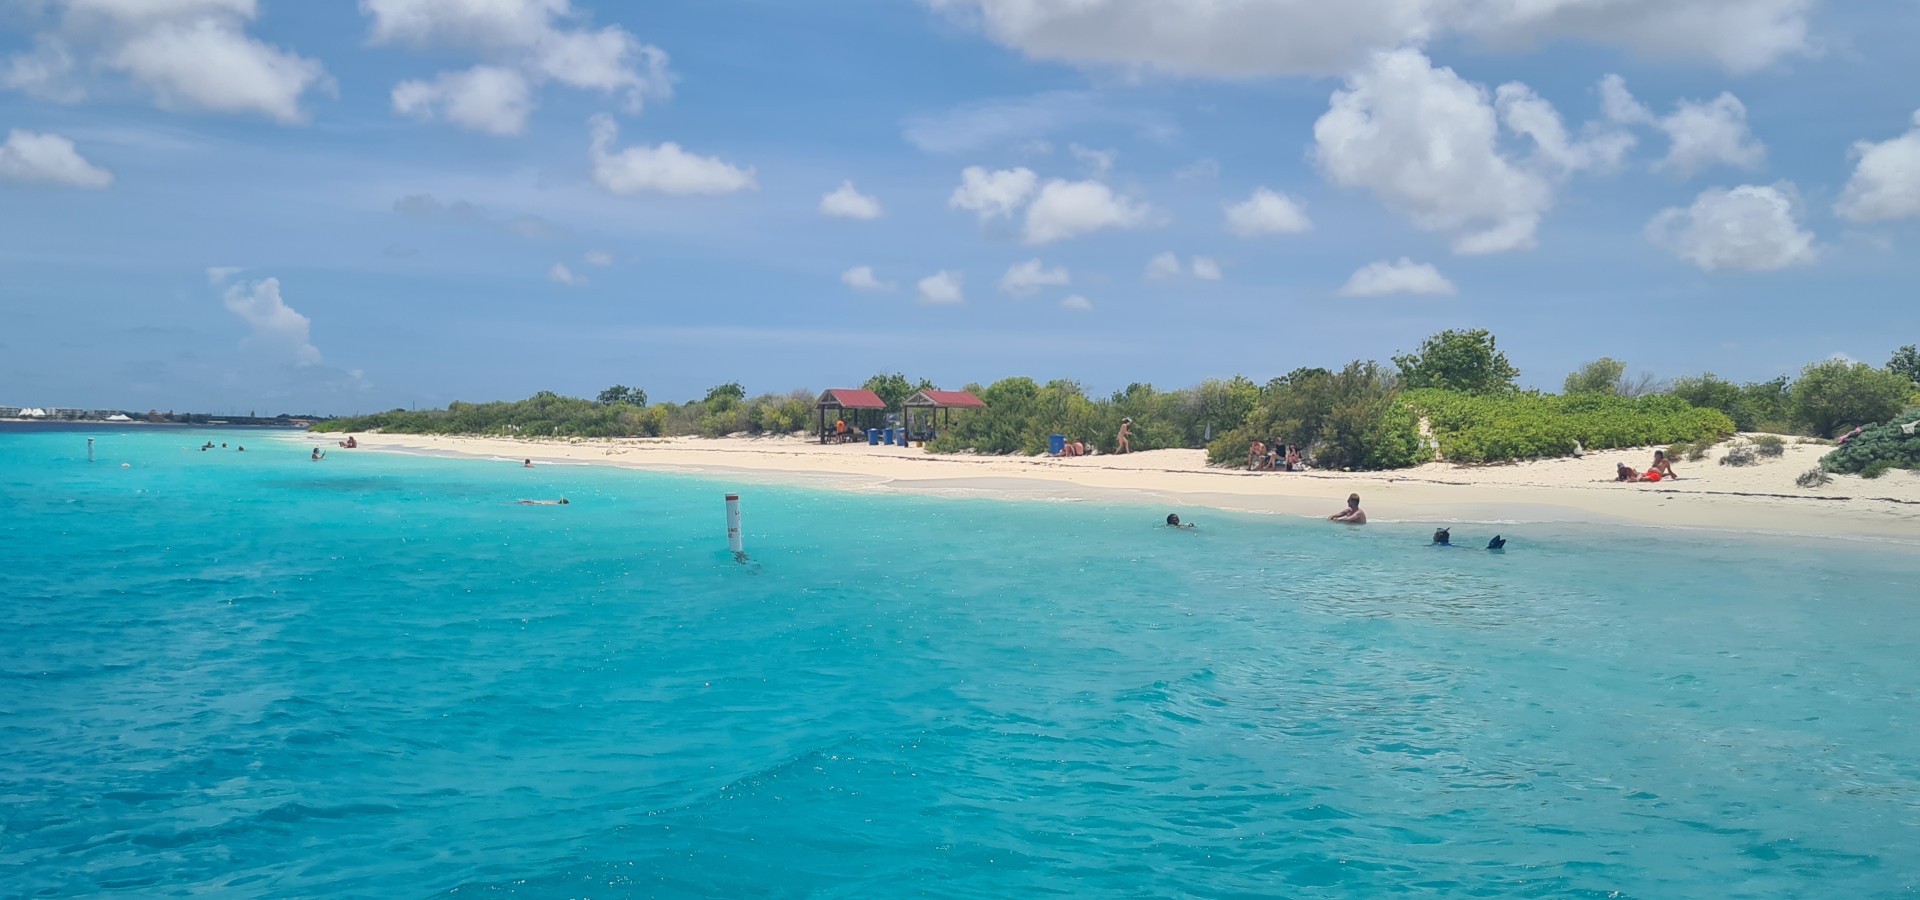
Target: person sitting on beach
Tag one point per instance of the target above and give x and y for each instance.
(1256, 456)
(1624, 473)
(1353, 514)
(1660, 466)
(560, 502)
(1443, 537)
(1294, 462)
(1276, 455)
(1173, 521)
(840, 430)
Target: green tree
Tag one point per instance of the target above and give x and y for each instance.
(620, 393)
(1835, 395)
(1602, 376)
(1453, 360)
(727, 394)
(895, 389)
(1906, 361)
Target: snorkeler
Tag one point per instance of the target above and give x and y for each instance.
(560, 502)
(1498, 543)
(1173, 521)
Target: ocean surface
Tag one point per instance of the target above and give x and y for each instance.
(254, 675)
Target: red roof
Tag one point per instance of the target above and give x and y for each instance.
(847, 398)
(954, 399)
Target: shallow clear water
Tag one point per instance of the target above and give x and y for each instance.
(254, 675)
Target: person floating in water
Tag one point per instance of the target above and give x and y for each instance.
(1498, 543)
(527, 465)
(243, 448)
(1353, 514)
(560, 502)
(1173, 521)
(317, 455)
(1443, 537)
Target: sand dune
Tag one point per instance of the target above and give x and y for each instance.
(1761, 497)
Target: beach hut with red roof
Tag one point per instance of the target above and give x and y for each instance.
(936, 406)
(860, 409)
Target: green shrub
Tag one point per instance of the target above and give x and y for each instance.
(1814, 478)
(1769, 446)
(1876, 469)
(1881, 444)
(1836, 395)
(1741, 454)
(1496, 428)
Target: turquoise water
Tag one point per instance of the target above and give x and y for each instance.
(255, 675)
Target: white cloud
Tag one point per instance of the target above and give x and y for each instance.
(538, 41)
(1248, 38)
(32, 158)
(848, 203)
(189, 54)
(1027, 278)
(942, 288)
(1067, 209)
(1701, 134)
(665, 169)
(993, 195)
(1206, 269)
(1428, 143)
(1751, 227)
(275, 328)
(489, 99)
(1023, 122)
(1076, 303)
(597, 258)
(1265, 213)
(1383, 278)
(861, 278)
(1099, 163)
(1164, 265)
(560, 274)
(218, 275)
(1886, 179)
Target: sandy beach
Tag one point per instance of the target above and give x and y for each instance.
(1761, 497)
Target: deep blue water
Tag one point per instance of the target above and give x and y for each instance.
(248, 674)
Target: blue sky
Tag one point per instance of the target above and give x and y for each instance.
(272, 205)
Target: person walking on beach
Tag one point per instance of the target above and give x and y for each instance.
(1353, 514)
(1126, 434)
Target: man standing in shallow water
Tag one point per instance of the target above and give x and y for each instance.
(1353, 514)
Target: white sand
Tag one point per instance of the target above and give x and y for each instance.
(1761, 497)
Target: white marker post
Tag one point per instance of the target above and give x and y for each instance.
(733, 527)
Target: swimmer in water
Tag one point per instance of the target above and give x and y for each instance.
(317, 455)
(1353, 514)
(1443, 537)
(527, 465)
(560, 502)
(1498, 543)
(1173, 521)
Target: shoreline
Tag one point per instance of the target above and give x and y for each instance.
(1756, 499)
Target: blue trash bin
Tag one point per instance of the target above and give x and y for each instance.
(873, 437)
(1057, 444)
(887, 437)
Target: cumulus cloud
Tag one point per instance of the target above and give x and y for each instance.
(561, 274)
(1027, 278)
(597, 258)
(1266, 213)
(1251, 38)
(1167, 265)
(1076, 303)
(1383, 278)
(187, 54)
(1068, 209)
(1750, 228)
(491, 99)
(1701, 134)
(861, 278)
(1206, 269)
(1099, 163)
(665, 169)
(1163, 265)
(993, 195)
(522, 44)
(848, 203)
(1428, 144)
(942, 288)
(1886, 179)
(274, 327)
(31, 158)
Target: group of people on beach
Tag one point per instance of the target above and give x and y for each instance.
(1274, 457)
(1661, 469)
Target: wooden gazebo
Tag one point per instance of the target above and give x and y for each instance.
(859, 409)
(935, 406)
